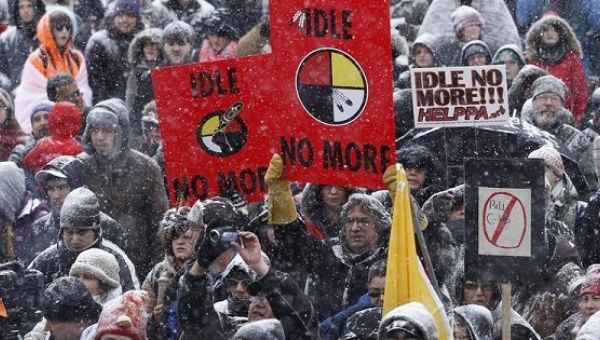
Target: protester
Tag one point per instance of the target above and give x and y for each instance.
(123, 317)
(220, 42)
(422, 55)
(553, 46)
(408, 321)
(106, 51)
(56, 180)
(11, 134)
(475, 53)
(151, 140)
(472, 322)
(79, 231)
(511, 56)
(136, 198)
(55, 54)
(20, 39)
(144, 53)
(520, 90)
(589, 304)
(99, 272)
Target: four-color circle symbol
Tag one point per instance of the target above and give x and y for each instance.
(331, 86)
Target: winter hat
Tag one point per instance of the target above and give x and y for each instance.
(551, 158)
(511, 50)
(125, 316)
(65, 120)
(12, 182)
(474, 47)
(465, 16)
(267, 329)
(178, 31)
(99, 118)
(53, 168)
(591, 281)
(68, 300)
(44, 105)
(549, 84)
(99, 264)
(80, 210)
(127, 7)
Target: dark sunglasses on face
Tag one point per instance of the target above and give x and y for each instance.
(59, 27)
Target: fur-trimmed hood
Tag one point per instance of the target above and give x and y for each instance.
(136, 48)
(533, 39)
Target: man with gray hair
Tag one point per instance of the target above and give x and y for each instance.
(550, 115)
(339, 267)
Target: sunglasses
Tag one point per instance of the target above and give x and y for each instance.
(61, 26)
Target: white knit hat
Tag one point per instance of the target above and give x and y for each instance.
(99, 264)
(551, 158)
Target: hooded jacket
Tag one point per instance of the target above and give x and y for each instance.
(137, 62)
(427, 40)
(515, 49)
(523, 81)
(43, 63)
(19, 41)
(568, 68)
(64, 123)
(18, 206)
(473, 47)
(477, 319)
(167, 11)
(106, 56)
(416, 314)
(129, 184)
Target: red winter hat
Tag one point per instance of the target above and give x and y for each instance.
(125, 315)
(64, 120)
(591, 281)
(47, 149)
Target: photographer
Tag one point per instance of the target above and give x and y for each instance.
(274, 294)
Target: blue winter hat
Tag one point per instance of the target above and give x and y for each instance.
(45, 105)
(127, 7)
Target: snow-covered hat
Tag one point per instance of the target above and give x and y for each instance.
(98, 264)
(465, 16)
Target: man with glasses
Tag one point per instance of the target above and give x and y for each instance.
(550, 115)
(340, 267)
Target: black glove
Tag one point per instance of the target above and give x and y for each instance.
(211, 247)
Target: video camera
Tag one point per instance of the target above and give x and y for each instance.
(21, 291)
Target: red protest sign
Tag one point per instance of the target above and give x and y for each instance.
(312, 100)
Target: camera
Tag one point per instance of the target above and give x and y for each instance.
(224, 236)
(21, 291)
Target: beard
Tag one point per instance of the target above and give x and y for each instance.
(544, 121)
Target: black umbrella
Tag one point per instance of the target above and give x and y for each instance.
(515, 139)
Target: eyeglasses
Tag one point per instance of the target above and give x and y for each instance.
(361, 222)
(375, 292)
(74, 94)
(543, 97)
(259, 298)
(485, 287)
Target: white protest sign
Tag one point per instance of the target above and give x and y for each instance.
(504, 222)
(459, 96)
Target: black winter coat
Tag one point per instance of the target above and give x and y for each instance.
(339, 277)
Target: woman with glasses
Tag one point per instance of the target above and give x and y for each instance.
(55, 54)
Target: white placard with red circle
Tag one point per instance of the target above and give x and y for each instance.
(504, 222)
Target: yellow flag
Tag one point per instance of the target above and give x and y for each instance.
(406, 280)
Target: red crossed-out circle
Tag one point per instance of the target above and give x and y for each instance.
(501, 227)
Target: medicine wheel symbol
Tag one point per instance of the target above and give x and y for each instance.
(331, 86)
(222, 133)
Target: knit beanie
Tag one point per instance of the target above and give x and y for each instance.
(178, 31)
(465, 16)
(65, 120)
(125, 315)
(591, 281)
(551, 158)
(473, 47)
(45, 105)
(127, 7)
(267, 329)
(98, 264)
(68, 300)
(80, 210)
(549, 84)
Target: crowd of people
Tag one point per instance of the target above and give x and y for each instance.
(83, 198)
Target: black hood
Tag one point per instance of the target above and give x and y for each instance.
(15, 20)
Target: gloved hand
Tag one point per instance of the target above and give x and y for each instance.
(389, 179)
(281, 206)
(329, 330)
